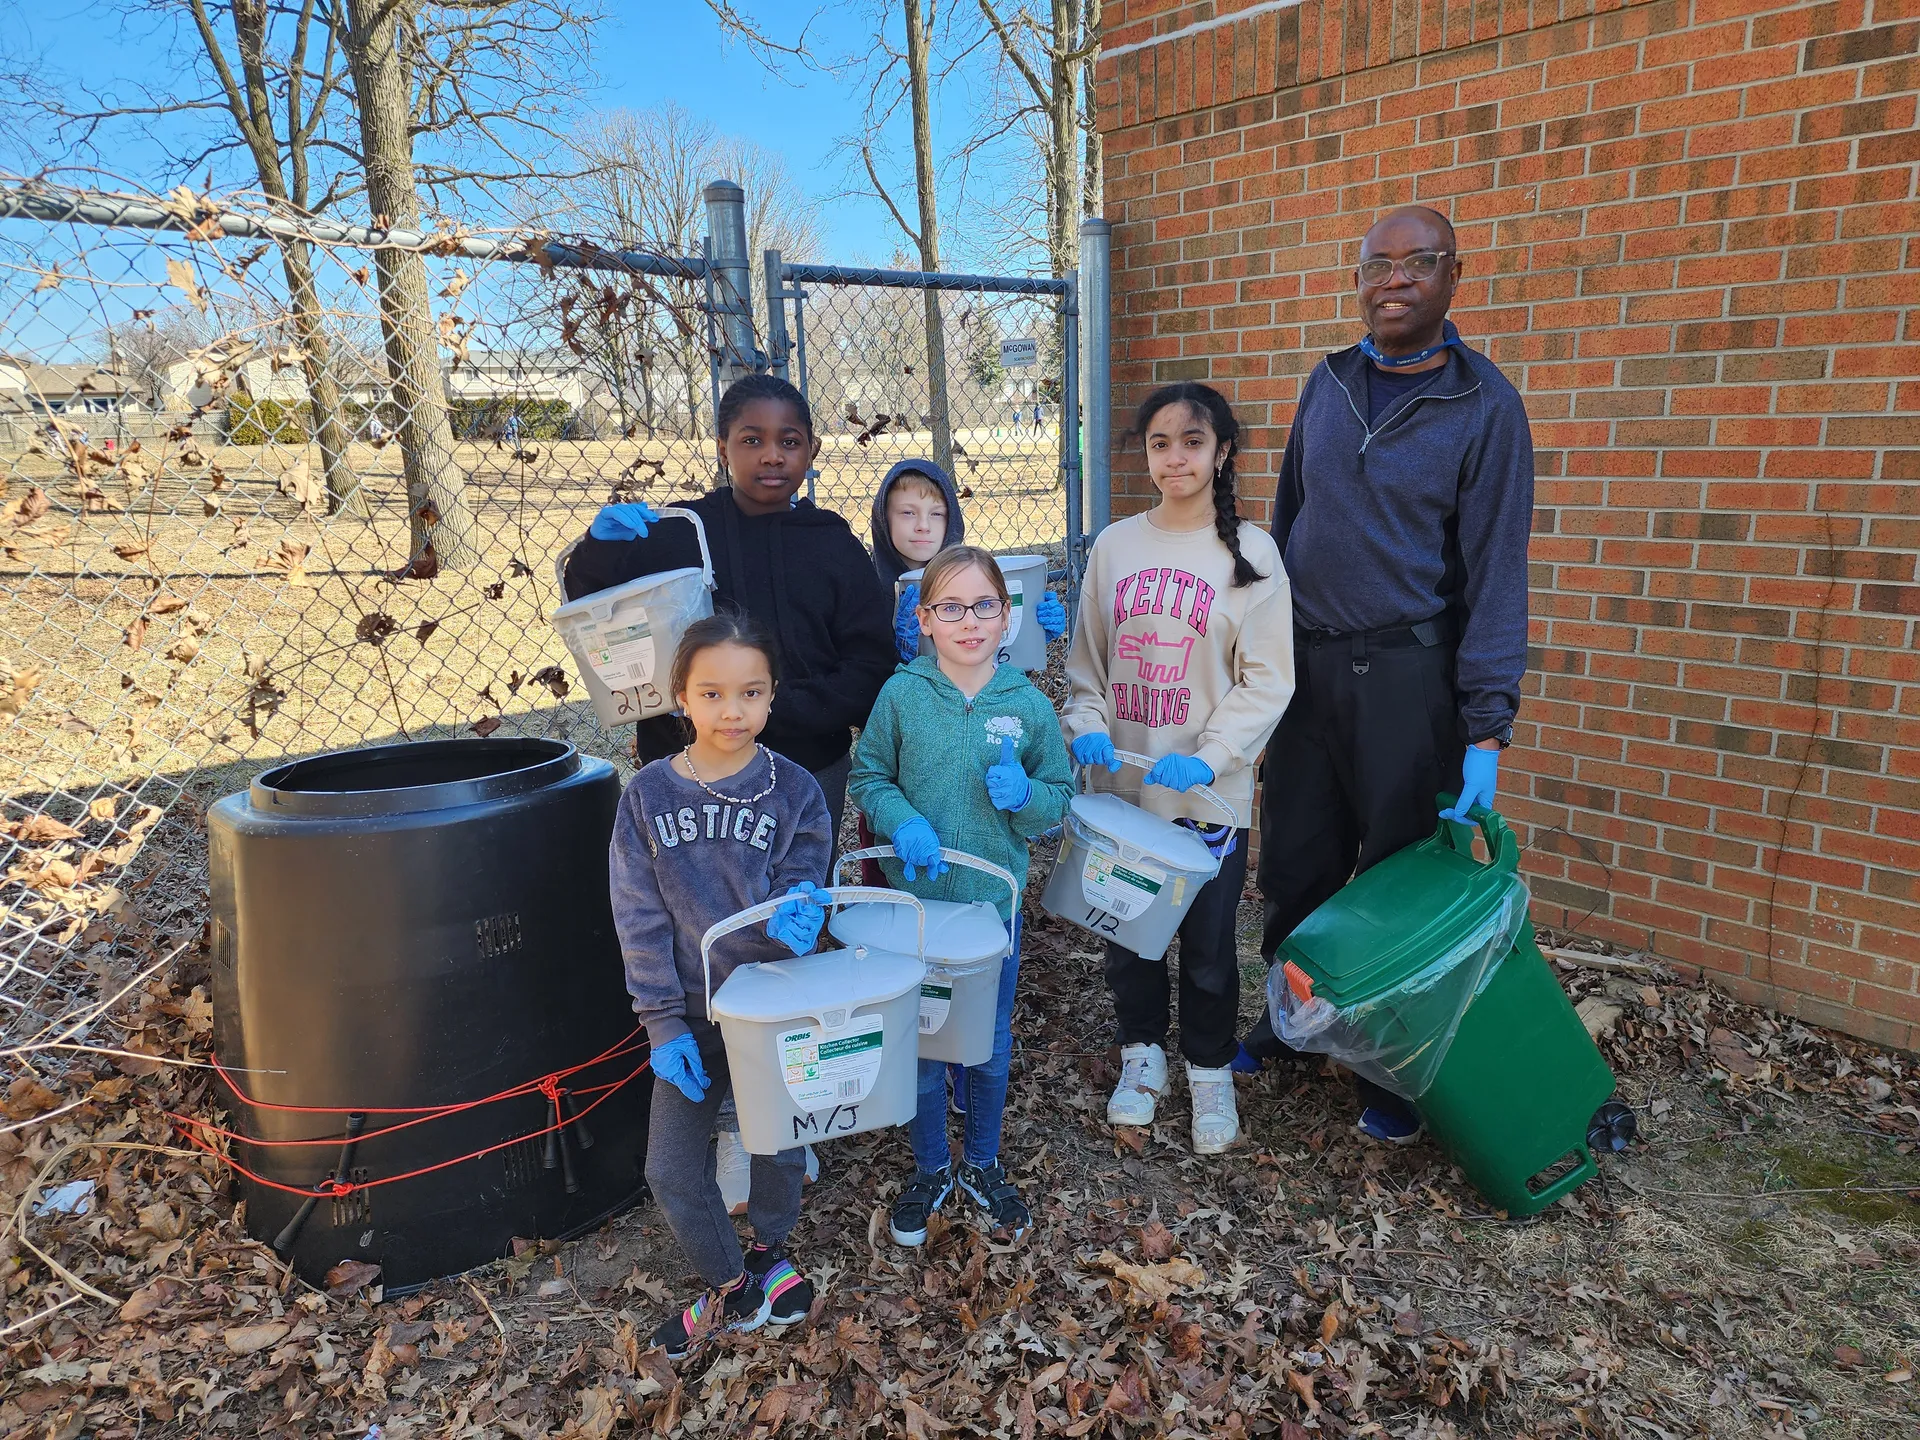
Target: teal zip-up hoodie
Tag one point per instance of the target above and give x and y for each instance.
(925, 751)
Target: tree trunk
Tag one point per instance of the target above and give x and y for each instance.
(1093, 178)
(344, 496)
(442, 525)
(1063, 126)
(923, 178)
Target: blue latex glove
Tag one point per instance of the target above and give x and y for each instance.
(796, 924)
(1095, 748)
(906, 624)
(1007, 784)
(919, 849)
(1479, 774)
(623, 522)
(678, 1063)
(1052, 616)
(1180, 772)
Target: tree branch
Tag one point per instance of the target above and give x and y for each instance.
(866, 154)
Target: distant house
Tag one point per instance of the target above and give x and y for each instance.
(30, 388)
(543, 375)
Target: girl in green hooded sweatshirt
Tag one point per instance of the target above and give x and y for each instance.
(965, 753)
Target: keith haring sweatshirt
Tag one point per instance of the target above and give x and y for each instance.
(1170, 657)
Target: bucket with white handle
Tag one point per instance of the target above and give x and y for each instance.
(965, 946)
(1125, 873)
(820, 1046)
(623, 639)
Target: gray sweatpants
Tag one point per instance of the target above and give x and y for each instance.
(680, 1168)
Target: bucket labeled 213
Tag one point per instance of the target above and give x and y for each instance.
(622, 639)
(1126, 874)
(821, 1046)
(964, 944)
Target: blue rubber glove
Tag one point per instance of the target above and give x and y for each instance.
(678, 1063)
(623, 522)
(919, 849)
(906, 624)
(1095, 748)
(1479, 775)
(1052, 616)
(1180, 772)
(796, 924)
(1007, 784)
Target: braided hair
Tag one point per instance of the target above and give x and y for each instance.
(759, 387)
(1211, 406)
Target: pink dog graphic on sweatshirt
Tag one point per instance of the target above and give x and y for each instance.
(1161, 662)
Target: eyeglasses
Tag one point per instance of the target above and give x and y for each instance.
(952, 611)
(1420, 265)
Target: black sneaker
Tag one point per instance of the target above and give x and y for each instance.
(925, 1193)
(789, 1293)
(990, 1189)
(743, 1306)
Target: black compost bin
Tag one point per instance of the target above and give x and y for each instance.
(417, 926)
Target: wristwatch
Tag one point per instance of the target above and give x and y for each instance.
(1504, 735)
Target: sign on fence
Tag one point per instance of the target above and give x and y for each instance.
(1016, 353)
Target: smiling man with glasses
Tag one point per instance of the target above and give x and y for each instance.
(1404, 505)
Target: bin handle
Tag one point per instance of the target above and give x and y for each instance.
(956, 857)
(1503, 850)
(740, 919)
(1572, 1180)
(1146, 762)
(666, 512)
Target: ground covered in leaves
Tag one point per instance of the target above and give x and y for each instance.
(1747, 1271)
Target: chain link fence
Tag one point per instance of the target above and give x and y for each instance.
(249, 516)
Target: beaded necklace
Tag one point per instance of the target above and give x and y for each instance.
(773, 778)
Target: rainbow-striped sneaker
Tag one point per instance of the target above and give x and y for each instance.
(742, 1305)
(789, 1293)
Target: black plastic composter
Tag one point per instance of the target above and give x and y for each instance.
(409, 928)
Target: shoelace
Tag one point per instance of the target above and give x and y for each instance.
(1208, 1098)
(1134, 1073)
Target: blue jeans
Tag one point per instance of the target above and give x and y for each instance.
(986, 1088)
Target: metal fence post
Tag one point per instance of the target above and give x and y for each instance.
(1096, 310)
(1071, 460)
(777, 343)
(733, 304)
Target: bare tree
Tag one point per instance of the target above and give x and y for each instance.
(441, 522)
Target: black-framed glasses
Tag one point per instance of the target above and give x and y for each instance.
(1421, 265)
(952, 611)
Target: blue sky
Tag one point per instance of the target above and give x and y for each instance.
(648, 52)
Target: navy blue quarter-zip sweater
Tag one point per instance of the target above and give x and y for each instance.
(1426, 511)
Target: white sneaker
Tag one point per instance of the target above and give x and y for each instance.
(1143, 1075)
(1216, 1117)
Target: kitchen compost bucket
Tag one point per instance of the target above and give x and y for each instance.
(820, 1046)
(623, 639)
(965, 946)
(1126, 874)
(1026, 577)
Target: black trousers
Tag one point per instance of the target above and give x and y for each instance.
(1209, 975)
(1351, 776)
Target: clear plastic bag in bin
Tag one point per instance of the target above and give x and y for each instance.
(1398, 1038)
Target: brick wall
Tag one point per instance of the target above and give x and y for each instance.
(1690, 238)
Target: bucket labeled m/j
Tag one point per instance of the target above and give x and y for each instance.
(1126, 874)
(825, 1045)
(965, 945)
(1026, 644)
(623, 639)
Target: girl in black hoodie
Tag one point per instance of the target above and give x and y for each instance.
(795, 568)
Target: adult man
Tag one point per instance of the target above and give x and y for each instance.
(1404, 504)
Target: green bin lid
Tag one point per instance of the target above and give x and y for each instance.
(1395, 919)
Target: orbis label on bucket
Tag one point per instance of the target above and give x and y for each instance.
(623, 656)
(935, 1002)
(831, 1068)
(1016, 608)
(1122, 888)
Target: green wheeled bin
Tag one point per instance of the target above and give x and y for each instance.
(1422, 975)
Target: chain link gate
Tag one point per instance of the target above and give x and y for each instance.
(978, 373)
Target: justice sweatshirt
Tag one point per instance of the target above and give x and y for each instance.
(1170, 657)
(925, 752)
(801, 573)
(683, 859)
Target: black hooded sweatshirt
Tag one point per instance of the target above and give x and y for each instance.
(888, 562)
(801, 573)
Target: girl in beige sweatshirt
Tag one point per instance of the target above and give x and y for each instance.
(1183, 652)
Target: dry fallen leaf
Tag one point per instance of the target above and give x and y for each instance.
(1155, 1282)
(249, 1339)
(351, 1275)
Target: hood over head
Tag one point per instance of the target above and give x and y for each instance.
(889, 562)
